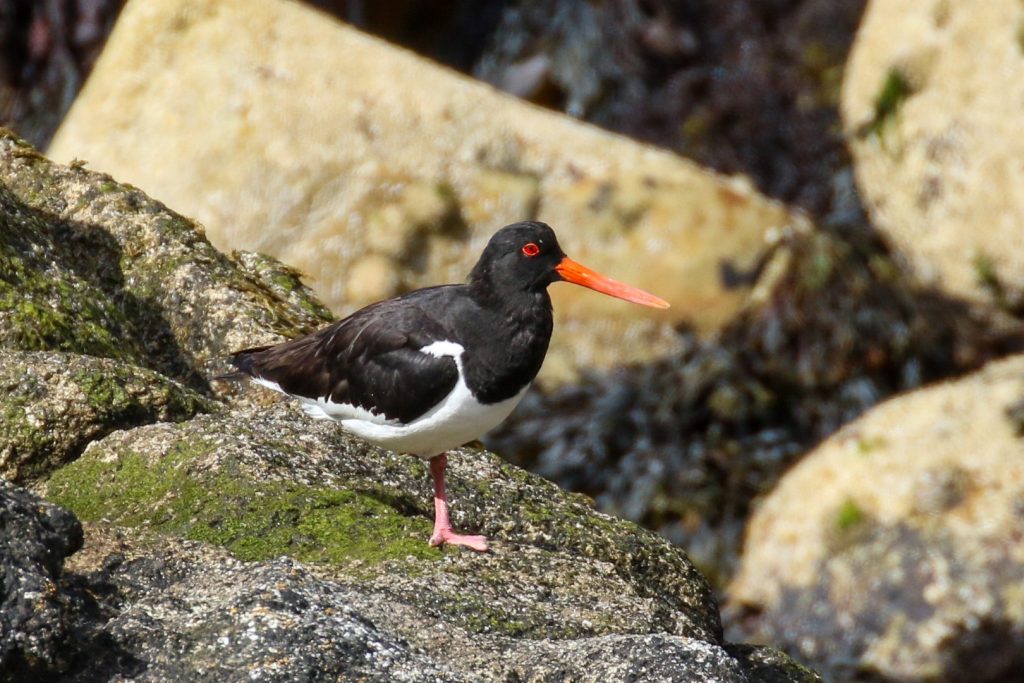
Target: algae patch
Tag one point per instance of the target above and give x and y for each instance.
(255, 520)
(893, 92)
(853, 526)
(849, 515)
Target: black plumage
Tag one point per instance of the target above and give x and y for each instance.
(438, 366)
(372, 359)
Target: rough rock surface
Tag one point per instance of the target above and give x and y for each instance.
(35, 537)
(564, 585)
(629, 657)
(373, 171)
(895, 549)
(186, 611)
(52, 404)
(231, 479)
(931, 102)
(151, 608)
(93, 266)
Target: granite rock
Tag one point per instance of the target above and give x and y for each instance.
(565, 590)
(54, 403)
(35, 616)
(93, 266)
(286, 132)
(164, 609)
(894, 550)
(931, 105)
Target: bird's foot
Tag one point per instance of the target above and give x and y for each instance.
(446, 535)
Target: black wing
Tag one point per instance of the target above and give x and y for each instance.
(371, 359)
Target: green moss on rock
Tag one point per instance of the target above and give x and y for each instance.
(853, 525)
(849, 516)
(52, 404)
(270, 482)
(892, 93)
(285, 284)
(94, 266)
(42, 308)
(18, 432)
(255, 520)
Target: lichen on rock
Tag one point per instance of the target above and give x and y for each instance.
(93, 266)
(52, 404)
(269, 482)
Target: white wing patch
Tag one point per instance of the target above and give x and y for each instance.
(444, 348)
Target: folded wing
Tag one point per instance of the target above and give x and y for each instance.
(370, 360)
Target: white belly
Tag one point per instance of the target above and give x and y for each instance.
(458, 418)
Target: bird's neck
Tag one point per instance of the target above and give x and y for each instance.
(515, 301)
(522, 321)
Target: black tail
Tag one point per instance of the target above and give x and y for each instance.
(243, 363)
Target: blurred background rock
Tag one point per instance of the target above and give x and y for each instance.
(906, 268)
(743, 87)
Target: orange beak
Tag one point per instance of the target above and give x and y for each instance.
(573, 272)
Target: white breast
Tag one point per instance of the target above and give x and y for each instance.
(458, 418)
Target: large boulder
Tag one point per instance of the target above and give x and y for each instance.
(271, 481)
(166, 609)
(931, 102)
(186, 611)
(565, 591)
(89, 265)
(373, 171)
(895, 550)
(115, 311)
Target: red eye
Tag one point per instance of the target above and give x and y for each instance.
(530, 249)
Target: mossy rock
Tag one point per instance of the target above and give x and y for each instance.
(44, 303)
(93, 266)
(169, 491)
(272, 482)
(53, 404)
(191, 611)
(564, 592)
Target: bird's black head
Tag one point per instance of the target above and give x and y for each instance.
(525, 258)
(521, 256)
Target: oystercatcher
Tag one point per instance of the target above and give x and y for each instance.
(428, 371)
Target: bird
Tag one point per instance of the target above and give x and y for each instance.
(435, 368)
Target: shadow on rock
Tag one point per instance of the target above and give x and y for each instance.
(63, 288)
(95, 256)
(49, 622)
(901, 602)
(93, 266)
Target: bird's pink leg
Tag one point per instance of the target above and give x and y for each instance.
(442, 526)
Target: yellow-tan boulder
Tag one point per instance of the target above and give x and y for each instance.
(933, 103)
(373, 171)
(896, 548)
